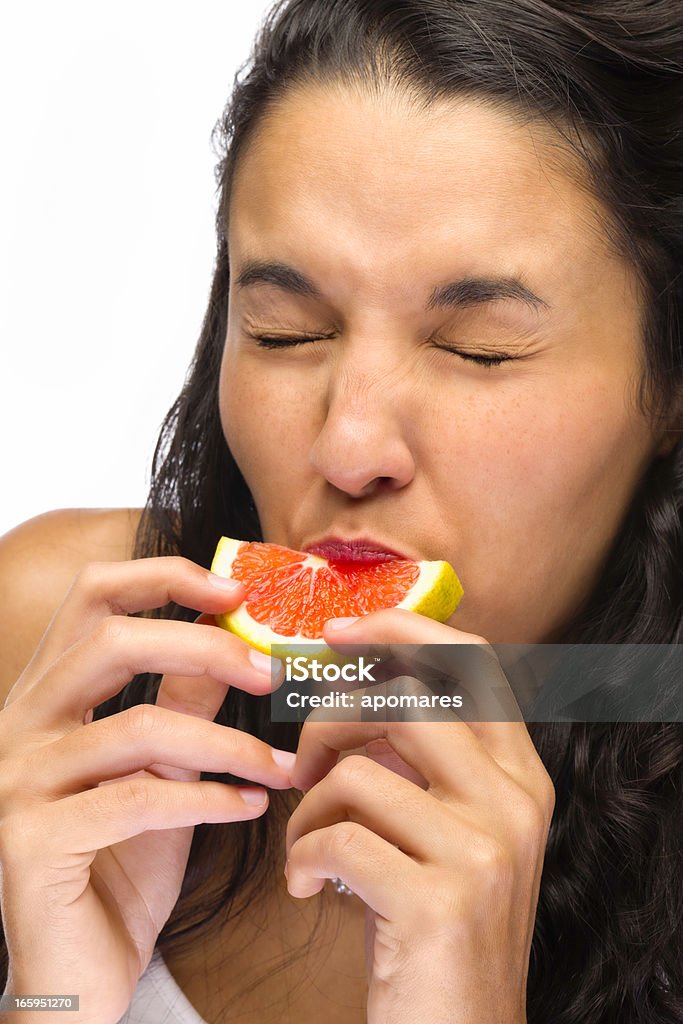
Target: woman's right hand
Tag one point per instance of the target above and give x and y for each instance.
(97, 818)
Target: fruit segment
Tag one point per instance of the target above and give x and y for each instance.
(291, 594)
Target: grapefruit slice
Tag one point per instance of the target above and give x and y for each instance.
(292, 594)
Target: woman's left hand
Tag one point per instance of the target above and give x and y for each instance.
(450, 873)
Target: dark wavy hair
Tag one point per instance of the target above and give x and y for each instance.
(607, 76)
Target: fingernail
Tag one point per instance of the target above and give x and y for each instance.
(264, 663)
(342, 623)
(223, 583)
(285, 758)
(252, 796)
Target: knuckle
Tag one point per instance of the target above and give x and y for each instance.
(482, 651)
(89, 576)
(215, 649)
(213, 642)
(112, 630)
(486, 651)
(175, 565)
(535, 811)
(491, 859)
(134, 795)
(139, 722)
(174, 562)
(179, 563)
(530, 817)
(353, 772)
(237, 743)
(345, 838)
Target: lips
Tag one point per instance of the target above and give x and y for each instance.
(336, 549)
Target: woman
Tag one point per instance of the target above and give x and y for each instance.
(444, 315)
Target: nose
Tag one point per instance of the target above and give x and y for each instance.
(361, 448)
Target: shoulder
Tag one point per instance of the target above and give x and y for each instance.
(62, 540)
(38, 561)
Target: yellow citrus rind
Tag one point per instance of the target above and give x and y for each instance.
(436, 595)
(437, 592)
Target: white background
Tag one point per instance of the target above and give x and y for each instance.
(107, 241)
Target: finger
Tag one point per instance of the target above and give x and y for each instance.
(443, 755)
(102, 589)
(367, 863)
(379, 749)
(357, 789)
(413, 645)
(402, 633)
(98, 666)
(455, 765)
(201, 696)
(87, 822)
(144, 736)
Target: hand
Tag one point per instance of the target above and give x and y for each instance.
(449, 870)
(97, 818)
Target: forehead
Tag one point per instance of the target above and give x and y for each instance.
(342, 177)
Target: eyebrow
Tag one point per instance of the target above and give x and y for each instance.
(467, 291)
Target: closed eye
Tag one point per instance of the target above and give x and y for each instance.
(285, 340)
(288, 341)
(493, 360)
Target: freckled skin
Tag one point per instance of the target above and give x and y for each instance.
(519, 474)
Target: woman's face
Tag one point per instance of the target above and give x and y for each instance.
(520, 473)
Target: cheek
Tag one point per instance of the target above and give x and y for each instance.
(583, 452)
(548, 481)
(541, 486)
(264, 423)
(548, 449)
(239, 399)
